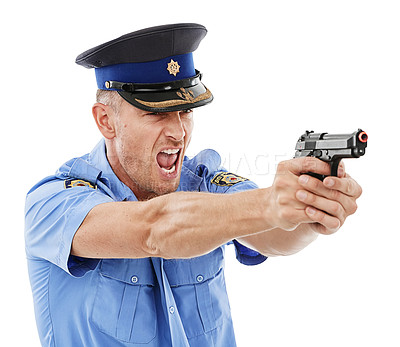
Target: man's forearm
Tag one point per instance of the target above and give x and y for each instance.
(191, 224)
(278, 242)
(177, 225)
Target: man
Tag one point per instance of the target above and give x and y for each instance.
(125, 245)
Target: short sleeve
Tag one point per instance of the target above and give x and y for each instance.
(226, 183)
(53, 214)
(247, 256)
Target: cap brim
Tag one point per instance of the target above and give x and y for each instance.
(171, 100)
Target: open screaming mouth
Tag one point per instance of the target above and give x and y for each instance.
(167, 159)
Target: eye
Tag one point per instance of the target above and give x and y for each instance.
(187, 111)
(155, 114)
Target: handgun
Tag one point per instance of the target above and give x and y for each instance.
(331, 148)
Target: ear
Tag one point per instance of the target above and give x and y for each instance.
(102, 116)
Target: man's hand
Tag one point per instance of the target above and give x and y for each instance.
(298, 198)
(330, 202)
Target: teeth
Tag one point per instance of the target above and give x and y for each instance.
(171, 170)
(170, 151)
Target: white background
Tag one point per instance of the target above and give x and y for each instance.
(276, 68)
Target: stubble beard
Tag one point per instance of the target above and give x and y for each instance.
(143, 185)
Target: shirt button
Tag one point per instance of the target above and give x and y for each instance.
(134, 279)
(172, 309)
(199, 278)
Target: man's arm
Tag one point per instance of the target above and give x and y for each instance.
(273, 220)
(177, 225)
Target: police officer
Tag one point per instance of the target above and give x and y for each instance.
(125, 245)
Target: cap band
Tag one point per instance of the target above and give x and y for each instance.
(154, 87)
(160, 71)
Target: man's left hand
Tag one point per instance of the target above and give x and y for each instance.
(330, 202)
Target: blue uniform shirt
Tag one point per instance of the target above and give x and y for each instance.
(123, 302)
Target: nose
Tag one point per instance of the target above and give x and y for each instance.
(174, 127)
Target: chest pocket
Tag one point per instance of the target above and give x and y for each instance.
(124, 306)
(199, 290)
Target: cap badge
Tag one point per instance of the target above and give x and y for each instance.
(173, 67)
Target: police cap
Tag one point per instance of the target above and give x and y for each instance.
(152, 68)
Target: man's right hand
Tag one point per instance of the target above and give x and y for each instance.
(284, 207)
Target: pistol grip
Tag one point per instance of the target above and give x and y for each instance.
(334, 170)
(320, 177)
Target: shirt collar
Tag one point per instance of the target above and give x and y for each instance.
(98, 159)
(189, 181)
(196, 170)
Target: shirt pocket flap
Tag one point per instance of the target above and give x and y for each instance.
(194, 270)
(129, 271)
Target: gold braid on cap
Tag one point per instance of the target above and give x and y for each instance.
(187, 98)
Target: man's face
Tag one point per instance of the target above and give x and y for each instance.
(149, 149)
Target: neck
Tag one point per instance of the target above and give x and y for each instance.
(123, 176)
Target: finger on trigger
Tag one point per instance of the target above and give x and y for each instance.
(310, 164)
